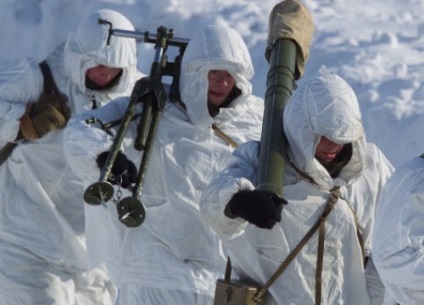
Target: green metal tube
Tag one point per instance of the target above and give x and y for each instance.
(280, 84)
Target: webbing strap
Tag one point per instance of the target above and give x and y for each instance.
(320, 258)
(334, 196)
(6, 151)
(224, 136)
(49, 86)
(358, 233)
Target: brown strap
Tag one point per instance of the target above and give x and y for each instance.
(358, 233)
(6, 151)
(320, 258)
(224, 136)
(299, 171)
(334, 196)
(49, 84)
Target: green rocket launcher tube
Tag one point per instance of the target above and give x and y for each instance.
(280, 82)
(289, 39)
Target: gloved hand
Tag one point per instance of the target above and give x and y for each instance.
(261, 208)
(141, 88)
(123, 169)
(47, 114)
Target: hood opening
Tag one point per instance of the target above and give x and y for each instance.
(335, 167)
(89, 84)
(214, 110)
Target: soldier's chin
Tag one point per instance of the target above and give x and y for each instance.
(326, 161)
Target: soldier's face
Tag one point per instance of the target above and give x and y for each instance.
(327, 150)
(220, 85)
(102, 75)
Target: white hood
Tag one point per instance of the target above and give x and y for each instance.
(326, 106)
(88, 47)
(212, 48)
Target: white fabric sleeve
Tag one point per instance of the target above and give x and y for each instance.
(83, 142)
(406, 267)
(378, 170)
(398, 249)
(19, 86)
(239, 175)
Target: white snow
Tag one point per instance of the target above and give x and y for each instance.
(376, 45)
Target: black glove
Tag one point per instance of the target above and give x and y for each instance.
(141, 87)
(123, 170)
(261, 208)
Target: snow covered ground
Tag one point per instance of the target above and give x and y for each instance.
(376, 45)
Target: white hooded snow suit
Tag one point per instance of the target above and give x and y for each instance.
(173, 251)
(398, 248)
(325, 106)
(42, 243)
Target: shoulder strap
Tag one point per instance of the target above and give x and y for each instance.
(334, 196)
(358, 233)
(6, 151)
(49, 84)
(224, 136)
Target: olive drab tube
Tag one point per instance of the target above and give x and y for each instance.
(280, 84)
(290, 34)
